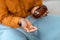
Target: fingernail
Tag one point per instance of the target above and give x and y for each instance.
(27, 31)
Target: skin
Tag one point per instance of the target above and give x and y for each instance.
(26, 25)
(38, 12)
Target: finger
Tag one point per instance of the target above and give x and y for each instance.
(28, 23)
(34, 9)
(26, 29)
(33, 29)
(24, 26)
(47, 12)
(44, 14)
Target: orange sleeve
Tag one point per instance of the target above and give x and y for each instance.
(38, 2)
(5, 18)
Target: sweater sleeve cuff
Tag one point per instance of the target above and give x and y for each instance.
(14, 22)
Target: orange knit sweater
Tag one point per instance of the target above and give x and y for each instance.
(12, 10)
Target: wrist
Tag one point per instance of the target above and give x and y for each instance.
(19, 21)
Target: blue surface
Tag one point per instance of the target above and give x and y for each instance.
(48, 29)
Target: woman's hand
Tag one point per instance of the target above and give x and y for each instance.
(39, 11)
(26, 25)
